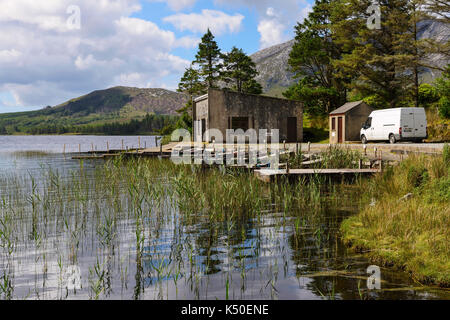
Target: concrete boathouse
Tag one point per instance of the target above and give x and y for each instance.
(224, 109)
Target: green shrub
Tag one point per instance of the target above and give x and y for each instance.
(427, 94)
(444, 107)
(375, 101)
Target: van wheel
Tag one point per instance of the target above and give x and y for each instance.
(363, 139)
(392, 139)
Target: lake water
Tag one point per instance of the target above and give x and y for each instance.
(62, 227)
(48, 150)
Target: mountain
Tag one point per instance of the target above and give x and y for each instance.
(123, 101)
(113, 105)
(273, 68)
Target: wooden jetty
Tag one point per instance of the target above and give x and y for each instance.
(269, 175)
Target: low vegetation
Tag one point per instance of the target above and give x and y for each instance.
(407, 221)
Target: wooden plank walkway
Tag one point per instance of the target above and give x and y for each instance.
(269, 175)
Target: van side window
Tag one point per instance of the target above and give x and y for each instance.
(369, 122)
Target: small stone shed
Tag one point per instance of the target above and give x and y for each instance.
(225, 109)
(346, 121)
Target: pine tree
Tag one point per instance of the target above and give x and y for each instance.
(380, 61)
(311, 61)
(191, 85)
(252, 86)
(240, 70)
(208, 59)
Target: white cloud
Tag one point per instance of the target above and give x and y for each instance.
(188, 42)
(270, 12)
(42, 62)
(134, 79)
(177, 5)
(276, 19)
(272, 33)
(9, 56)
(217, 21)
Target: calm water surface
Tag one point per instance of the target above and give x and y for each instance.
(271, 257)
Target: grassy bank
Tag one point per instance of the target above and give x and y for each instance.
(409, 232)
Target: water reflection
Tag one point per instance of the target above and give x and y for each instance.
(165, 255)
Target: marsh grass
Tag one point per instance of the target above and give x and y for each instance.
(339, 157)
(411, 233)
(334, 157)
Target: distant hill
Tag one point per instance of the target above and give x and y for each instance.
(123, 101)
(113, 105)
(272, 63)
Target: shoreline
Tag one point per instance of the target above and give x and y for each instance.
(406, 224)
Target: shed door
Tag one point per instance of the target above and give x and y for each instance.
(339, 130)
(292, 129)
(203, 130)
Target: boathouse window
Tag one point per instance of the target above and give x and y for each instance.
(239, 123)
(333, 123)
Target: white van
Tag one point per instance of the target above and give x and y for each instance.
(395, 125)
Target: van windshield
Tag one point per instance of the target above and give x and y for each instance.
(368, 123)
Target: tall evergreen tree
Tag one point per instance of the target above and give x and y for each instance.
(208, 59)
(380, 59)
(190, 84)
(311, 61)
(239, 70)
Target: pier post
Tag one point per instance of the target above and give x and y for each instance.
(139, 142)
(381, 162)
(122, 145)
(79, 148)
(107, 146)
(309, 147)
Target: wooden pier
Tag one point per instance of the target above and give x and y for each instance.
(270, 175)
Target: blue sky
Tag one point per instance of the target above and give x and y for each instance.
(47, 58)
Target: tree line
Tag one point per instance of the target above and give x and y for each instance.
(338, 56)
(150, 124)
